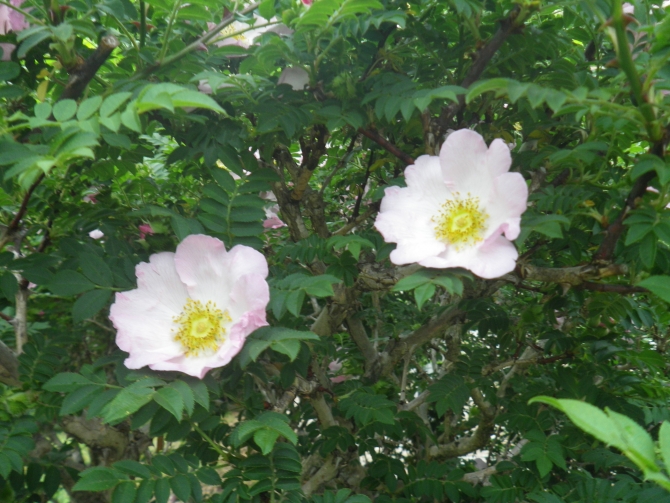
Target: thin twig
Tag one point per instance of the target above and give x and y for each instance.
(484, 56)
(81, 75)
(386, 145)
(229, 19)
(16, 221)
(346, 228)
(343, 160)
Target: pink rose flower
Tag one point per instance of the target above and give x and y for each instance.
(231, 35)
(11, 20)
(7, 50)
(307, 3)
(193, 309)
(96, 234)
(456, 208)
(295, 77)
(272, 220)
(144, 230)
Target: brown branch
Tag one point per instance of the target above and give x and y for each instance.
(481, 476)
(616, 228)
(326, 473)
(21, 316)
(480, 438)
(386, 145)
(354, 223)
(97, 435)
(16, 221)
(343, 160)
(572, 276)
(607, 287)
(361, 339)
(312, 151)
(359, 199)
(9, 366)
(484, 56)
(81, 75)
(397, 349)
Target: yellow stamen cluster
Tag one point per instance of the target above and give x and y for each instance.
(201, 327)
(460, 222)
(228, 32)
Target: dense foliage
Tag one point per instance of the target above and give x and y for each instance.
(126, 126)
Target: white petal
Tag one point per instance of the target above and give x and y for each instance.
(158, 279)
(508, 200)
(489, 260)
(463, 159)
(498, 158)
(406, 213)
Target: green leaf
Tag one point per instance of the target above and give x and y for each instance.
(170, 399)
(483, 86)
(587, 417)
(113, 102)
(9, 285)
(31, 42)
(265, 438)
(88, 107)
(66, 382)
(664, 443)
(162, 490)
(124, 493)
(129, 400)
(131, 119)
(423, 293)
(637, 444)
(449, 393)
(89, 304)
(63, 31)
(279, 423)
(145, 491)
(64, 110)
(9, 70)
(96, 269)
(200, 391)
(188, 98)
(181, 486)
(267, 9)
(132, 467)
(658, 285)
(68, 283)
(243, 431)
(98, 479)
(79, 399)
(277, 338)
(413, 281)
(209, 476)
(164, 464)
(186, 394)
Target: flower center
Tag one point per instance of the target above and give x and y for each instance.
(460, 222)
(201, 327)
(230, 30)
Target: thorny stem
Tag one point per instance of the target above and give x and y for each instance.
(194, 45)
(626, 63)
(211, 442)
(387, 145)
(143, 23)
(168, 31)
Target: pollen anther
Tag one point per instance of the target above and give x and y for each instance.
(201, 327)
(460, 221)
